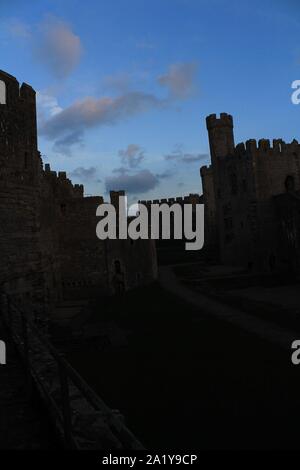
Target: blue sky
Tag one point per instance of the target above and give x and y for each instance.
(124, 86)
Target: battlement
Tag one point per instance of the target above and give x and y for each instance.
(61, 181)
(225, 120)
(190, 199)
(14, 93)
(221, 139)
(264, 146)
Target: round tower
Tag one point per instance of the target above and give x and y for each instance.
(18, 127)
(220, 134)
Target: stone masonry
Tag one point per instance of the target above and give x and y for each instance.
(48, 245)
(251, 196)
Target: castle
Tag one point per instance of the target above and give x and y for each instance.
(251, 194)
(48, 244)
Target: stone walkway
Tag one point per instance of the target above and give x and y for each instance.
(23, 421)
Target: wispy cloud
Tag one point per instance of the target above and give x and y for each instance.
(138, 183)
(120, 83)
(133, 155)
(65, 144)
(128, 178)
(178, 155)
(165, 174)
(57, 46)
(52, 42)
(179, 79)
(47, 105)
(84, 174)
(194, 157)
(94, 112)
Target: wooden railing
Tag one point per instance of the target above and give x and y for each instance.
(68, 398)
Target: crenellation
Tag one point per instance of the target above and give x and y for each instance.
(79, 190)
(240, 148)
(264, 144)
(189, 199)
(27, 93)
(277, 145)
(251, 145)
(224, 120)
(205, 170)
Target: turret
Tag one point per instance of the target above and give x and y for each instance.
(220, 134)
(18, 132)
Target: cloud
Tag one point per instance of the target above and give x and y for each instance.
(191, 157)
(93, 112)
(65, 144)
(165, 174)
(121, 170)
(47, 105)
(53, 43)
(84, 174)
(57, 46)
(179, 79)
(120, 83)
(132, 156)
(134, 182)
(140, 182)
(178, 155)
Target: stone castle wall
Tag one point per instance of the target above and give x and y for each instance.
(20, 170)
(48, 245)
(239, 190)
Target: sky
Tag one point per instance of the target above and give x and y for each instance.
(124, 86)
